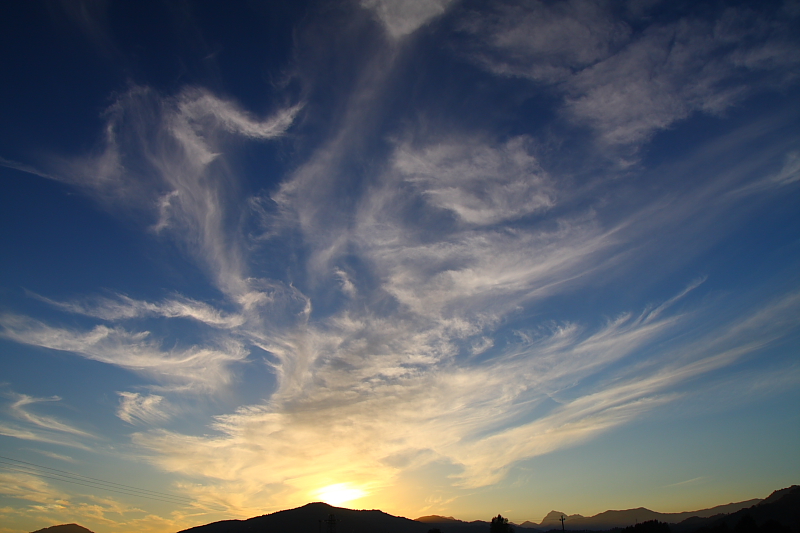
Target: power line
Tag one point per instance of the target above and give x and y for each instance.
(16, 465)
(34, 466)
(38, 474)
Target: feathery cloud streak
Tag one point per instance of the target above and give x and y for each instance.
(162, 155)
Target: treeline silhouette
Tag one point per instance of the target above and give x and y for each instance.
(649, 526)
(747, 524)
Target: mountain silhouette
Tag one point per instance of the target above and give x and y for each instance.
(64, 528)
(779, 494)
(778, 513)
(436, 519)
(311, 517)
(628, 517)
(448, 524)
(782, 507)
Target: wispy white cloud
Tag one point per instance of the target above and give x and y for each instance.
(123, 307)
(377, 406)
(410, 365)
(166, 156)
(658, 79)
(347, 285)
(20, 409)
(479, 184)
(22, 167)
(790, 172)
(546, 41)
(29, 487)
(629, 84)
(11, 430)
(199, 367)
(787, 175)
(402, 17)
(31, 426)
(468, 273)
(58, 456)
(461, 258)
(149, 409)
(680, 483)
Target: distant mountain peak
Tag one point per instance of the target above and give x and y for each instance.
(64, 528)
(555, 516)
(619, 518)
(436, 519)
(318, 504)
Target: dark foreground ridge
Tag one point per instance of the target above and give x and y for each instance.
(778, 513)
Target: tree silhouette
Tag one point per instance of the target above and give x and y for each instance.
(773, 526)
(650, 526)
(746, 524)
(500, 525)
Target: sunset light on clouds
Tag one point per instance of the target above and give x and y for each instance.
(339, 493)
(431, 257)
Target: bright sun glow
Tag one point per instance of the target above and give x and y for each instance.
(339, 493)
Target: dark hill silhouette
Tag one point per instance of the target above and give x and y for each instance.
(778, 494)
(436, 519)
(779, 513)
(308, 519)
(64, 528)
(628, 517)
(448, 524)
(552, 520)
(781, 508)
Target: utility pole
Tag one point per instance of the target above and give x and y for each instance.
(562, 523)
(331, 521)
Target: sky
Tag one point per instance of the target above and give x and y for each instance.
(444, 257)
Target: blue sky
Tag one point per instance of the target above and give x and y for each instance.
(433, 257)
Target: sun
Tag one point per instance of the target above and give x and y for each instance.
(339, 493)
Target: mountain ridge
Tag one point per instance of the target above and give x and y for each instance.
(621, 518)
(353, 521)
(781, 507)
